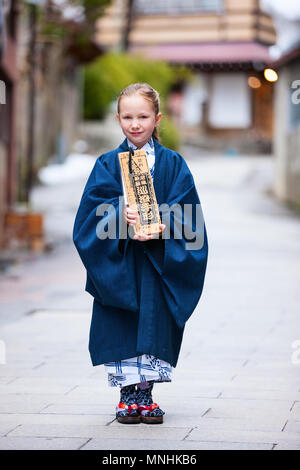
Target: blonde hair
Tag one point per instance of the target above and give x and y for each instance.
(148, 93)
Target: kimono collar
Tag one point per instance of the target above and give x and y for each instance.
(149, 146)
(160, 173)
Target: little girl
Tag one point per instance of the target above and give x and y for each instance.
(144, 287)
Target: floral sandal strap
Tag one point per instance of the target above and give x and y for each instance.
(152, 410)
(122, 408)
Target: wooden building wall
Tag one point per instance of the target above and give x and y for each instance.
(239, 21)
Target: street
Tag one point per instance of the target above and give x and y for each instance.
(237, 383)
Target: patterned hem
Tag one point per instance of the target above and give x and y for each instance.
(130, 379)
(138, 369)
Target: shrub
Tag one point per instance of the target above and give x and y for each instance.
(169, 133)
(106, 77)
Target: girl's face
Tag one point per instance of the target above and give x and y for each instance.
(137, 119)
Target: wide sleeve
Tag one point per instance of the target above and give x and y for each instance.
(180, 257)
(100, 236)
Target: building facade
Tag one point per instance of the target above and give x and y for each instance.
(40, 103)
(225, 43)
(9, 13)
(287, 127)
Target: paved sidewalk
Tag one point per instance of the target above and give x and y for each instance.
(236, 385)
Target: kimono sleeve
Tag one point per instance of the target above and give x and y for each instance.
(97, 235)
(180, 257)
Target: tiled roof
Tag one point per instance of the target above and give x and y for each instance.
(206, 52)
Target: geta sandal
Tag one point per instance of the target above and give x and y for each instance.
(151, 414)
(128, 414)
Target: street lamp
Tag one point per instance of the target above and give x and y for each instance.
(270, 75)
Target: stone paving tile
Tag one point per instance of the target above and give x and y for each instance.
(274, 383)
(232, 408)
(293, 426)
(249, 394)
(63, 419)
(287, 446)
(228, 435)
(17, 407)
(127, 444)
(37, 385)
(177, 420)
(18, 367)
(44, 369)
(172, 421)
(174, 406)
(79, 357)
(271, 365)
(79, 409)
(41, 443)
(46, 399)
(252, 423)
(6, 427)
(295, 411)
(270, 373)
(91, 385)
(27, 399)
(140, 431)
(6, 380)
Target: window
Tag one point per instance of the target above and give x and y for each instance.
(230, 101)
(146, 7)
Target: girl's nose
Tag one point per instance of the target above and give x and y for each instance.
(135, 124)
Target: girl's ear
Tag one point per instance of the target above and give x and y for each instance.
(118, 116)
(157, 119)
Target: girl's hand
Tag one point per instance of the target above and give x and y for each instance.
(144, 238)
(131, 216)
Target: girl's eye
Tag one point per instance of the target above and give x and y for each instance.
(129, 117)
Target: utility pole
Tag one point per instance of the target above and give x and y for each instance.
(31, 100)
(128, 24)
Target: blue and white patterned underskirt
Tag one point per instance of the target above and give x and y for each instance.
(138, 369)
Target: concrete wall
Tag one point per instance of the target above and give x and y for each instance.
(57, 103)
(287, 136)
(3, 157)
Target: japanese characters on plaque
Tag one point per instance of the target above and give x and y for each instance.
(139, 191)
(144, 197)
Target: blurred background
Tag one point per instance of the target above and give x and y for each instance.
(228, 73)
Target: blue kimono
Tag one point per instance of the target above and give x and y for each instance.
(144, 292)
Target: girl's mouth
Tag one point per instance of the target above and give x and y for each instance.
(136, 133)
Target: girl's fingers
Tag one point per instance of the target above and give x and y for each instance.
(143, 238)
(130, 215)
(132, 220)
(130, 211)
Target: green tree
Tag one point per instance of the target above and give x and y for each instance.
(105, 78)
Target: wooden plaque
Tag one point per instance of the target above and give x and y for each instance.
(139, 191)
